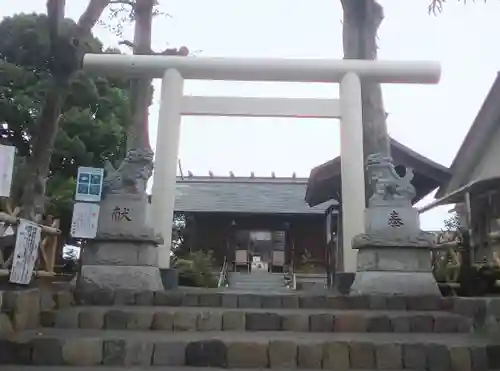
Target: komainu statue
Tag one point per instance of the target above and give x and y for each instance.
(388, 187)
(132, 175)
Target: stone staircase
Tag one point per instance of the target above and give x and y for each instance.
(186, 330)
(257, 281)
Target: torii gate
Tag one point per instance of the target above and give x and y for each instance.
(174, 70)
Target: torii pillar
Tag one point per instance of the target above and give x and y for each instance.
(348, 73)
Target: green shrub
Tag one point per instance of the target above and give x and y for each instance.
(196, 270)
(305, 264)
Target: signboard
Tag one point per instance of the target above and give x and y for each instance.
(7, 154)
(89, 184)
(25, 252)
(84, 221)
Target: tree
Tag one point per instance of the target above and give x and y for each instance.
(95, 112)
(62, 62)
(362, 19)
(64, 58)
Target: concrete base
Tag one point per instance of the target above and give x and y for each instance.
(115, 264)
(399, 259)
(343, 282)
(394, 262)
(394, 283)
(109, 277)
(170, 278)
(124, 253)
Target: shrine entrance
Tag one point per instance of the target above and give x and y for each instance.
(174, 70)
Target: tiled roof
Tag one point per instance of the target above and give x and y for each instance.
(244, 195)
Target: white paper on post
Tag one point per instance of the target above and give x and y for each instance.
(84, 221)
(25, 252)
(7, 154)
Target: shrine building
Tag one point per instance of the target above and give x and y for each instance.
(475, 183)
(244, 218)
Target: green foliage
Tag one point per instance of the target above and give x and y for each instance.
(444, 266)
(452, 224)
(305, 265)
(94, 118)
(180, 236)
(196, 269)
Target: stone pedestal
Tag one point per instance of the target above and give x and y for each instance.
(124, 253)
(394, 256)
(392, 262)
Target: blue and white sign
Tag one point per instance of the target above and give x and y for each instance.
(89, 184)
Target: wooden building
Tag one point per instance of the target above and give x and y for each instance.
(475, 182)
(267, 219)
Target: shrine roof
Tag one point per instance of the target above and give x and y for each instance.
(475, 144)
(256, 195)
(325, 182)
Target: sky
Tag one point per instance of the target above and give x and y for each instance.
(431, 119)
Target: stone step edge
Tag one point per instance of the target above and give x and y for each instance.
(175, 319)
(131, 368)
(143, 368)
(277, 354)
(193, 298)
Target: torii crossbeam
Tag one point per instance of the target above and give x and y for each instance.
(174, 70)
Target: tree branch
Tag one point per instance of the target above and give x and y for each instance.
(122, 2)
(436, 6)
(128, 43)
(182, 51)
(91, 15)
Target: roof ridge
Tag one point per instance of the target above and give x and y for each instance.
(242, 180)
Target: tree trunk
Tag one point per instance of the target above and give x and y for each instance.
(362, 19)
(33, 195)
(137, 167)
(140, 89)
(65, 61)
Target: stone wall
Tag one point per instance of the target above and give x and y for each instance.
(23, 309)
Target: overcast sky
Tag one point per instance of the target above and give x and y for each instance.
(432, 120)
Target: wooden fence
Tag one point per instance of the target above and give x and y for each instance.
(44, 266)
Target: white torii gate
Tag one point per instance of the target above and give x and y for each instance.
(174, 70)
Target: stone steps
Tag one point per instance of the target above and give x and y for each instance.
(256, 281)
(227, 298)
(230, 329)
(120, 368)
(279, 350)
(258, 286)
(222, 319)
